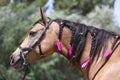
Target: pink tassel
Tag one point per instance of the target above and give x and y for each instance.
(85, 63)
(70, 50)
(108, 53)
(59, 45)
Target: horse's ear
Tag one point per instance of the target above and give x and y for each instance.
(43, 17)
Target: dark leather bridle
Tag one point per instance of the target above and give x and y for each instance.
(24, 52)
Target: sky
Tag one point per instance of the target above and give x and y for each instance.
(117, 12)
(50, 7)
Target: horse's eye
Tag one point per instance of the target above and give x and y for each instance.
(32, 33)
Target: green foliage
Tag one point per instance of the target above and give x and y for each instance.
(39, 2)
(13, 27)
(8, 74)
(15, 20)
(81, 6)
(3, 2)
(51, 69)
(100, 17)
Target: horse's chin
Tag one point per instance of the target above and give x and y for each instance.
(18, 66)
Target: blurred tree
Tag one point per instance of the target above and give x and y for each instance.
(3, 2)
(81, 6)
(27, 1)
(14, 25)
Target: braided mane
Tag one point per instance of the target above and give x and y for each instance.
(100, 38)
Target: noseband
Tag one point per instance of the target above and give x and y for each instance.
(25, 51)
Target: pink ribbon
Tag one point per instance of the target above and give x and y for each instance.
(70, 50)
(59, 45)
(85, 63)
(108, 53)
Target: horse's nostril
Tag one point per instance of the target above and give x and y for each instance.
(11, 60)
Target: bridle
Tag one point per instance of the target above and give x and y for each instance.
(24, 52)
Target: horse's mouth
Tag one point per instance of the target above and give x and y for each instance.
(18, 65)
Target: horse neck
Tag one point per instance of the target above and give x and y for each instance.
(95, 55)
(65, 42)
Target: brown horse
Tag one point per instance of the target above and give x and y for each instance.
(96, 52)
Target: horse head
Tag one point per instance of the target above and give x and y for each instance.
(40, 42)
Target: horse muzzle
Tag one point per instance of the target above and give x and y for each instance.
(16, 62)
